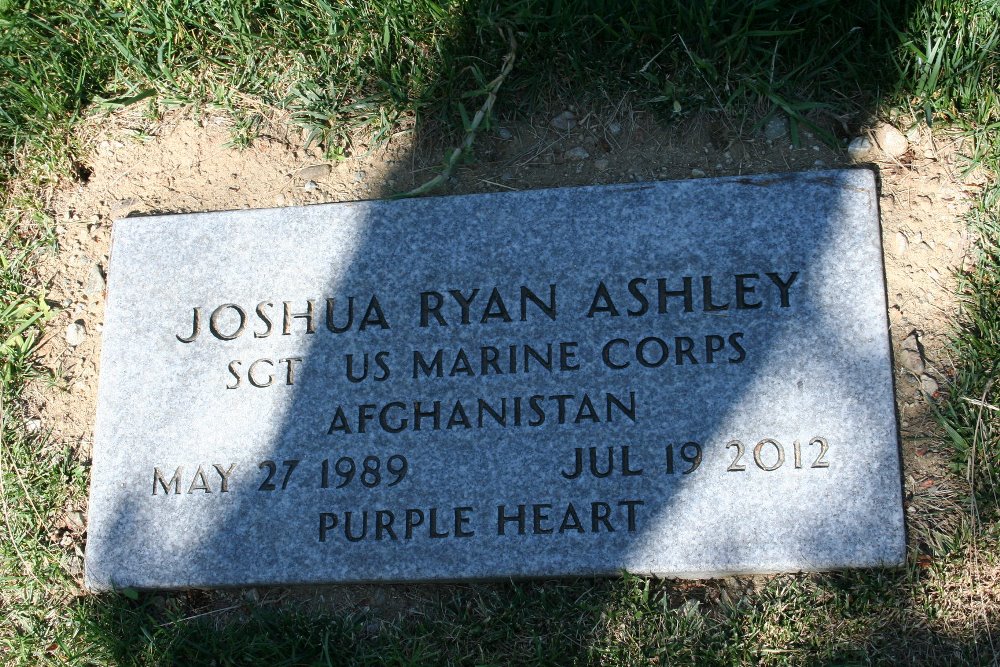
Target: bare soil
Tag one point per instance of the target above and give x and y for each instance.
(184, 162)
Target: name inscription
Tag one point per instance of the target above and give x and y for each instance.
(638, 297)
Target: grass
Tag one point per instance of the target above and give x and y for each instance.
(340, 68)
(351, 73)
(848, 618)
(972, 416)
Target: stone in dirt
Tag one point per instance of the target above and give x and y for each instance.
(684, 379)
(912, 354)
(76, 333)
(928, 385)
(902, 243)
(95, 281)
(776, 128)
(564, 122)
(860, 148)
(890, 140)
(316, 172)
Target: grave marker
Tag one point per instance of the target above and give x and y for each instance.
(684, 378)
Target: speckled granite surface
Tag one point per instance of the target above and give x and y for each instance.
(685, 378)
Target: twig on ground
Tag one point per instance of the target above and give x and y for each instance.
(206, 613)
(981, 404)
(470, 132)
(708, 85)
(976, 564)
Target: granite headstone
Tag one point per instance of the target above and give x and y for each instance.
(684, 379)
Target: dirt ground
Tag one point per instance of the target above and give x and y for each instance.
(184, 162)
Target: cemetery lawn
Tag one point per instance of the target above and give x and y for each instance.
(338, 82)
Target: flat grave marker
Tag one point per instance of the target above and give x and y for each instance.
(684, 378)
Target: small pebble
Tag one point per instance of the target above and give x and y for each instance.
(697, 173)
(310, 186)
(76, 520)
(601, 164)
(912, 354)
(890, 140)
(505, 134)
(360, 176)
(564, 122)
(74, 565)
(615, 129)
(928, 385)
(76, 333)
(776, 128)
(902, 243)
(95, 281)
(576, 154)
(859, 148)
(316, 172)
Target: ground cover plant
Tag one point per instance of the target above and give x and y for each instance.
(349, 75)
